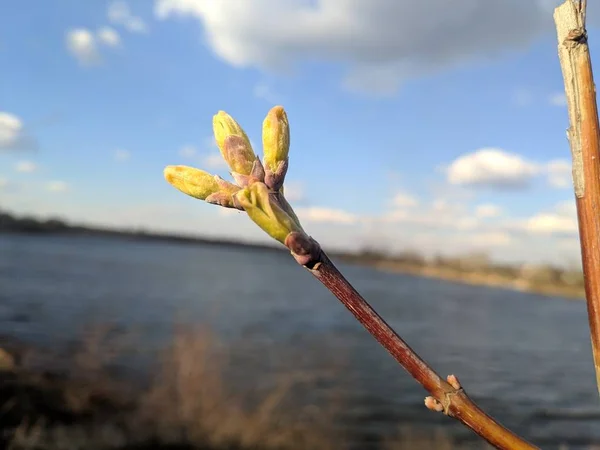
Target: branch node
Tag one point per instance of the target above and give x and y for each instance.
(445, 404)
(448, 399)
(305, 250)
(575, 38)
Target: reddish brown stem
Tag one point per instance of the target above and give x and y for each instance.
(452, 400)
(584, 139)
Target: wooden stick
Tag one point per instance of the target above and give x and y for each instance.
(584, 139)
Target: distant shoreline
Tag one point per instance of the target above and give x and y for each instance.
(544, 280)
(138, 236)
(473, 278)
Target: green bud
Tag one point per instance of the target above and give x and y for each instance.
(276, 138)
(235, 151)
(233, 143)
(262, 208)
(191, 181)
(204, 186)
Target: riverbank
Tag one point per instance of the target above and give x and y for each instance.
(476, 278)
(187, 406)
(474, 269)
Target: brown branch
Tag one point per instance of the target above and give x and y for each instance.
(447, 395)
(584, 139)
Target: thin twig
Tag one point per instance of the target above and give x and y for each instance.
(259, 194)
(448, 396)
(584, 140)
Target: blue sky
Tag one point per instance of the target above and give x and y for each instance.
(424, 125)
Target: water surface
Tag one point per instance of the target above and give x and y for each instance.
(523, 357)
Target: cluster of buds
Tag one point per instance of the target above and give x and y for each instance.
(258, 188)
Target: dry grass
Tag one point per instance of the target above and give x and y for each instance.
(189, 403)
(192, 403)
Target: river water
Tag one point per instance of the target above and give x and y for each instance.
(524, 358)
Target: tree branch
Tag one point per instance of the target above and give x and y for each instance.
(447, 395)
(584, 139)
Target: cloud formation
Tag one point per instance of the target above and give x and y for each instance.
(11, 128)
(498, 169)
(214, 160)
(119, 13)
(294, 191)
(85, 45)
(81, 43)
(109, 36)
(380, 42)
(561, 220)
(491, 167)
(12, 134)
(26, 167)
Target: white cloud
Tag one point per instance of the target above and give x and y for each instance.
(380, 42)
(57, 186)
(293, 191)
(188, 151)
(26, 166)
(3, 183)
(109, 36)
(122, 155)
(404, 200)
(487, 210)
(559, 220)
(558, 99)
(11, 130)
(549, 223)
(82, 44)
(491, 167)
(316, 214)
(214, 161)
(120, 14)
(559, 173)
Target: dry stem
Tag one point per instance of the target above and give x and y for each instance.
(584, 140)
